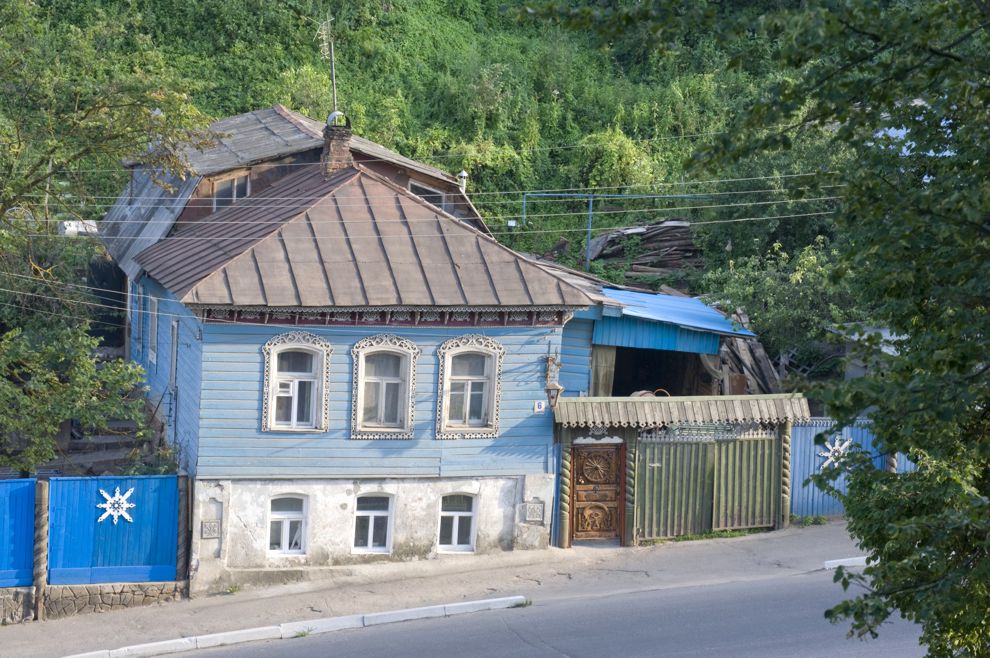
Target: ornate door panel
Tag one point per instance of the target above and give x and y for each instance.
(598, 497)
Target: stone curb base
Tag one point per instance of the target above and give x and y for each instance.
(304, 628)
(846, 562)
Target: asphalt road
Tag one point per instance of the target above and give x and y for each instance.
(775, 617)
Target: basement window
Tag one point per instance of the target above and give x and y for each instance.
(287, 526)
(456, 524)
(372, 524)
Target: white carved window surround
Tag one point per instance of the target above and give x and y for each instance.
(297, 383)
(470, 387)
(384, 380)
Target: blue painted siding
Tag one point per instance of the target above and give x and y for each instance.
(232, 444)
(16, 532)
(807, 499)
(85, 550)
(629, 332)
(575, 357)
(179, 406)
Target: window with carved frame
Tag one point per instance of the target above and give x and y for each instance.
(470, 387)
(297, 382)
(383, 400)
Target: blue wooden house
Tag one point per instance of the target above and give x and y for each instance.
(350, 366)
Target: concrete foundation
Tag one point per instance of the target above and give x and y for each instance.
(231, 524)
(16, 605)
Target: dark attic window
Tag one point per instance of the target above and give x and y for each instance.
(227, 191)
(427, 194)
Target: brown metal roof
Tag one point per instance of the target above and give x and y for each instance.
(354, 240)
(647, 412)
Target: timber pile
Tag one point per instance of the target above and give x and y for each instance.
(661, 249)
(746, 367)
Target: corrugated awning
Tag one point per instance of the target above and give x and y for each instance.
(684, 312)
(647, 412)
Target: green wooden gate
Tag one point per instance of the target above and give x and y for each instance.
(692, 487)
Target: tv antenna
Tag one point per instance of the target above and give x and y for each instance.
(325, 35)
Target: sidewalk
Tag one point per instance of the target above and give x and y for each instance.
(591, 569)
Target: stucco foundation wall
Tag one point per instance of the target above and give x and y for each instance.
(16, 604)
(238, 512)
(67, 600)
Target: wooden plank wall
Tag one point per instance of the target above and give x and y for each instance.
(575, 357)
(232, 444)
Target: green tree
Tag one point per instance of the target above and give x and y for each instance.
(794, 302)
(75, 100)
(906, 87)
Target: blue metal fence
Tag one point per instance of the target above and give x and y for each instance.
(808, 458)
(16, 532)
(112, 529)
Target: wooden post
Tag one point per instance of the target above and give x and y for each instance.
(629, 532)
(891, 463)
(785, 474)
(40, 548)
(565, 489)
(182, 539)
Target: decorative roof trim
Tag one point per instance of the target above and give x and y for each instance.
(658, 413)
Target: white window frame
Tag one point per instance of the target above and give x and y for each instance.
(409, 352)
(372, 514)
(493, 350)
(458, 519)
(433, 190)
(153, 330)
(321, 351)
(284, 518)
(234, 197)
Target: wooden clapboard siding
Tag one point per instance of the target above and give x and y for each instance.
(232, 445)
(575, 357)
(180, 406)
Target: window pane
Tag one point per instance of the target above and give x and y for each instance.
(223, 192)
(361, 532)
(468, 365)
(455, 408)
(379, 539)
(464, 530)
(391, 411)
(477, 408)
(446, 530)
(275, 536)
(240, 186)
(295, 535)
(295, 361)
(369, 413)
(287, 505)
(373, 504)
(382, 365)
(456, 503)
(283, 409)
(304, 403)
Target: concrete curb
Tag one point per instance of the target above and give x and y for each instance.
(846, 562)
(304, 628)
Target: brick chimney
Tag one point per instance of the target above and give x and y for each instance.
(336, 145)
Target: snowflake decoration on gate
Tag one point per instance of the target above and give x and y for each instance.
(116, 505)
(834, 452)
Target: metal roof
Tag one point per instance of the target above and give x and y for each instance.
(650, 412)
(353, 240)
(685, 312)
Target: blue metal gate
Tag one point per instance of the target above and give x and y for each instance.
(112, 529)
(16, 532)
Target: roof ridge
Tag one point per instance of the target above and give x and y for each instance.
(295, 118)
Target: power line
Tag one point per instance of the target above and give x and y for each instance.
(377, 236)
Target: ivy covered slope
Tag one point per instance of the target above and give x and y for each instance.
(520, 104)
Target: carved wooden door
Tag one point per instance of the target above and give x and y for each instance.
(598, 503)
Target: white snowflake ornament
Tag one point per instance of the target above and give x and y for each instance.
(116, 505)
(834, 452)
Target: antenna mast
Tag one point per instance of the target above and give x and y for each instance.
(325, 35)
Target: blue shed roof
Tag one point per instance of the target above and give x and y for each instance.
(685, 312)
